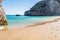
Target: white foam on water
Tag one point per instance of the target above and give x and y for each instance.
(1, 27)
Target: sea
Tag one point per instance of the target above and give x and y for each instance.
(23, 21)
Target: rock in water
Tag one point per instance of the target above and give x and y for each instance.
(45, 8)
(3, 20)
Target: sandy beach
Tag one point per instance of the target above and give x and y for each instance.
(47, 30)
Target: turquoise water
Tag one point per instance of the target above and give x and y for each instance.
(24, 20)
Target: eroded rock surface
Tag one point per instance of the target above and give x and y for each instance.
(3, 20)
(45, 8)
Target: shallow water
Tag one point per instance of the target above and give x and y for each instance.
(21, 21)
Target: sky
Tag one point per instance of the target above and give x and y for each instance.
(13, 7)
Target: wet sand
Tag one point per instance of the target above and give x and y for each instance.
(49, 30)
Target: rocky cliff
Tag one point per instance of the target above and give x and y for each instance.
(45, 8)
(3, 20)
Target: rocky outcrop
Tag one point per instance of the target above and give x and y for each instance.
(3, 20)
(45, 8)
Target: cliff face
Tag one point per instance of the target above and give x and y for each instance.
(3, 20)
(45, 8)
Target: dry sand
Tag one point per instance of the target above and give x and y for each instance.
(49, 30)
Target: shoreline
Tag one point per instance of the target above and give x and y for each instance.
(49, 30)
(55, 19)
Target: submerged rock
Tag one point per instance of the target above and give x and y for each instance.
(45, 8)
(3, 20)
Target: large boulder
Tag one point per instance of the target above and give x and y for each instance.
(3, 20)
(45, 8)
